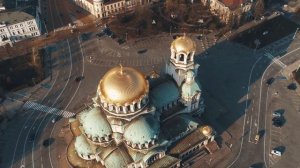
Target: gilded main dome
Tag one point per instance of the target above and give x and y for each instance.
(122, 85)
(183, 44)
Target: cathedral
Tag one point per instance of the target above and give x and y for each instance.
(140, 121)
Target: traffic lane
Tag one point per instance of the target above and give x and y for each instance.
(24, 134)
(61, 103)
(33, 124)
(36, 124)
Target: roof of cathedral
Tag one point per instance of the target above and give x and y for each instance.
(164, 93)
(165, 162)
(142, 130)
(94, 123)
(190, 89)
(117, 158)
(121, 85)
(83, 147)
(187, 142)
(183, 44)
(184, 123)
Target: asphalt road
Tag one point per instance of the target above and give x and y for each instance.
(258, 116)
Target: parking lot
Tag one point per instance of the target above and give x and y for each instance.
(287, 102)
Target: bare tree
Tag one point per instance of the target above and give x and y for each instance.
(259, 8)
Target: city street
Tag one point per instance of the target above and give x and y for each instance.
(233, 78)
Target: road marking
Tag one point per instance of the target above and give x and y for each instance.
(275, 60)
(46, 109)
(250, 129)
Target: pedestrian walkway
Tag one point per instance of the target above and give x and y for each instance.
(46, 109)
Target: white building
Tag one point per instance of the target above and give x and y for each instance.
(229, 10)
(106, 8)
(16, 26)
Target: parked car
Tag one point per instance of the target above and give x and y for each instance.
(142, 51)
(278, 121)
(270, 81)
(257, 137)
(276, 152)
(276, 114)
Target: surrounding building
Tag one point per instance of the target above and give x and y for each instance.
(106, 8)
(18, 25)
(139, 121)
(230, 10)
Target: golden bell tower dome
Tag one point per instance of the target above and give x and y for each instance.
(122, 85)
(183, 44)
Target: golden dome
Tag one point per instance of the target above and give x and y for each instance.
(183, 44)
(122, 85)
(206, 130)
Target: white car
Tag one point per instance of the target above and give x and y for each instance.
(276, 152)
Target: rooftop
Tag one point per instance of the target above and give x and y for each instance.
(187, 142)
(165, 162)
(13, 17)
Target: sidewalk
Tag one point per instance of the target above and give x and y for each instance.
(26, 46)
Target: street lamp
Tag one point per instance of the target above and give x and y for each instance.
(170, 30)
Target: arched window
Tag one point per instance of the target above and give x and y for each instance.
(135, 106)
(181, 57)
(128, 108)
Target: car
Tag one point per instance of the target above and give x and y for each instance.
(278, 121)
(292, 86)
(276, 114)
(100, 34)
(257, 137)
(270, 81)
(121, 40)
(276, 152)
(31, 137)
(79, 78)
(142, 51)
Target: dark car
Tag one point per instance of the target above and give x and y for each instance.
(100, 34)
(121, 40)
(278, 121)
(142, 51)
(107, 32)
(292, 86)
(79, 78)
(270, 81)
(31, 137)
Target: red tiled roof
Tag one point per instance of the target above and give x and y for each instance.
(232, 4)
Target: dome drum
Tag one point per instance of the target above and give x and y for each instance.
(128, 108)
(139, 146)
(182, 58)
(99, 140)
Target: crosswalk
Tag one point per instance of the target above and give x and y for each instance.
(275, 60)
(39, 107)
